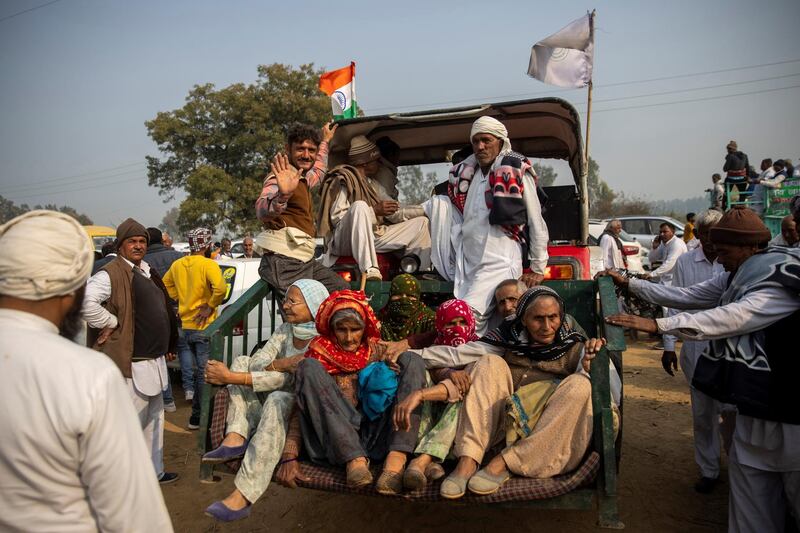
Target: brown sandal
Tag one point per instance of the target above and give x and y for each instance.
(434, 471)
(359, 476)
(414, 478)
(389, 483)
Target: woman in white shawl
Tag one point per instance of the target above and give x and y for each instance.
(261, 399)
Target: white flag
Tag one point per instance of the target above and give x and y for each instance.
(565, 58)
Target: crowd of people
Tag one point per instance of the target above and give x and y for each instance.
(744, 183)
(496, 379)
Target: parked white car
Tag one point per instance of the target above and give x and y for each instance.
(644, 228)
(635, 253)
(182, 247)
(240, 275)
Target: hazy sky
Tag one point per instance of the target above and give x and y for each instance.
(80, 77)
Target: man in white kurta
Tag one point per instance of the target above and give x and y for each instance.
(695, 267)
(666, 249)
(355, 225)
(485, 254)
(764, 461)
(612, 254)
(149, 376)
(71, 451)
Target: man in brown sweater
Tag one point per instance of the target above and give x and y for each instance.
(284, 207)
(131, 320)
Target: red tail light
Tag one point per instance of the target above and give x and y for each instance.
(558, 272)
(630, 250)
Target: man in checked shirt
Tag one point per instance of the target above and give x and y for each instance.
(284, 207)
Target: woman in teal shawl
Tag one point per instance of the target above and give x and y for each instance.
(405, 314)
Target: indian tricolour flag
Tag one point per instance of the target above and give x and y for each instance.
(340, 85)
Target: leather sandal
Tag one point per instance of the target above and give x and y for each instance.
(434, 471)
(389, 483)
(359, 476)
(414, 478)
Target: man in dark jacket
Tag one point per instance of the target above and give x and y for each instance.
(735, 168)
(160, 258)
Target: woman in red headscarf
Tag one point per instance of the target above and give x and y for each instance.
(333, 425)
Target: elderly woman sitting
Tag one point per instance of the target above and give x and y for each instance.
(529, 389)
(338, 422)
(261, 399)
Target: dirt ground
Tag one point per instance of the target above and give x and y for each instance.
(655, 484)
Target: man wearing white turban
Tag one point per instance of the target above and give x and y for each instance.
(71, 448)
(496, 220)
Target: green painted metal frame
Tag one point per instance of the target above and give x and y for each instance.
(588, 301)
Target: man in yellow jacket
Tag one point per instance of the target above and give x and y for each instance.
(196, 283)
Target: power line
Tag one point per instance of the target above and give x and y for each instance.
(27, 188)
(28, 10)
(96, 186)
(101, 171)
(596, 86)
(704, 99)
(676, 91)
(691, 74)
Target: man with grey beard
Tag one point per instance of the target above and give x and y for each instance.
(71, 451)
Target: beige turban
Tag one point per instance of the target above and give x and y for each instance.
(492, 126)
(45, 254)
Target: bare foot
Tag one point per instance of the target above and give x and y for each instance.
(232, 440)
(420, 462)
(358, 461)
(235, 501)
(395, 462)
(465, 468)
(496, 466)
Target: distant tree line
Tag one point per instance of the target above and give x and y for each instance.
(9, 210)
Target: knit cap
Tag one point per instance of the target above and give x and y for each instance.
(740, 226)
(362, 150)
(130, 228)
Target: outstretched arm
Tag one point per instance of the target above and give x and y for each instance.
(698, 296)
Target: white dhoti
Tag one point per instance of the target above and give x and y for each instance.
(707, 427)
(354, 236)
(764, 475)
(443, 219)
(148, 382)
(485, 256)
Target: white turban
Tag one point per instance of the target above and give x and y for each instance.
(492, 126)
(45, 254)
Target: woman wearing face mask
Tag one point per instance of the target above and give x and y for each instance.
(330, 422)
(529, 388)
(261, 398)
(455, 325)
(405, 314)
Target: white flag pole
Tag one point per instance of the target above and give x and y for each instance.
(585, 177)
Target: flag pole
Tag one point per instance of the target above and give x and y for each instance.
(589, 97)
(585, 177)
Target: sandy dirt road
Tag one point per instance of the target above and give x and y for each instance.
(655, 485)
